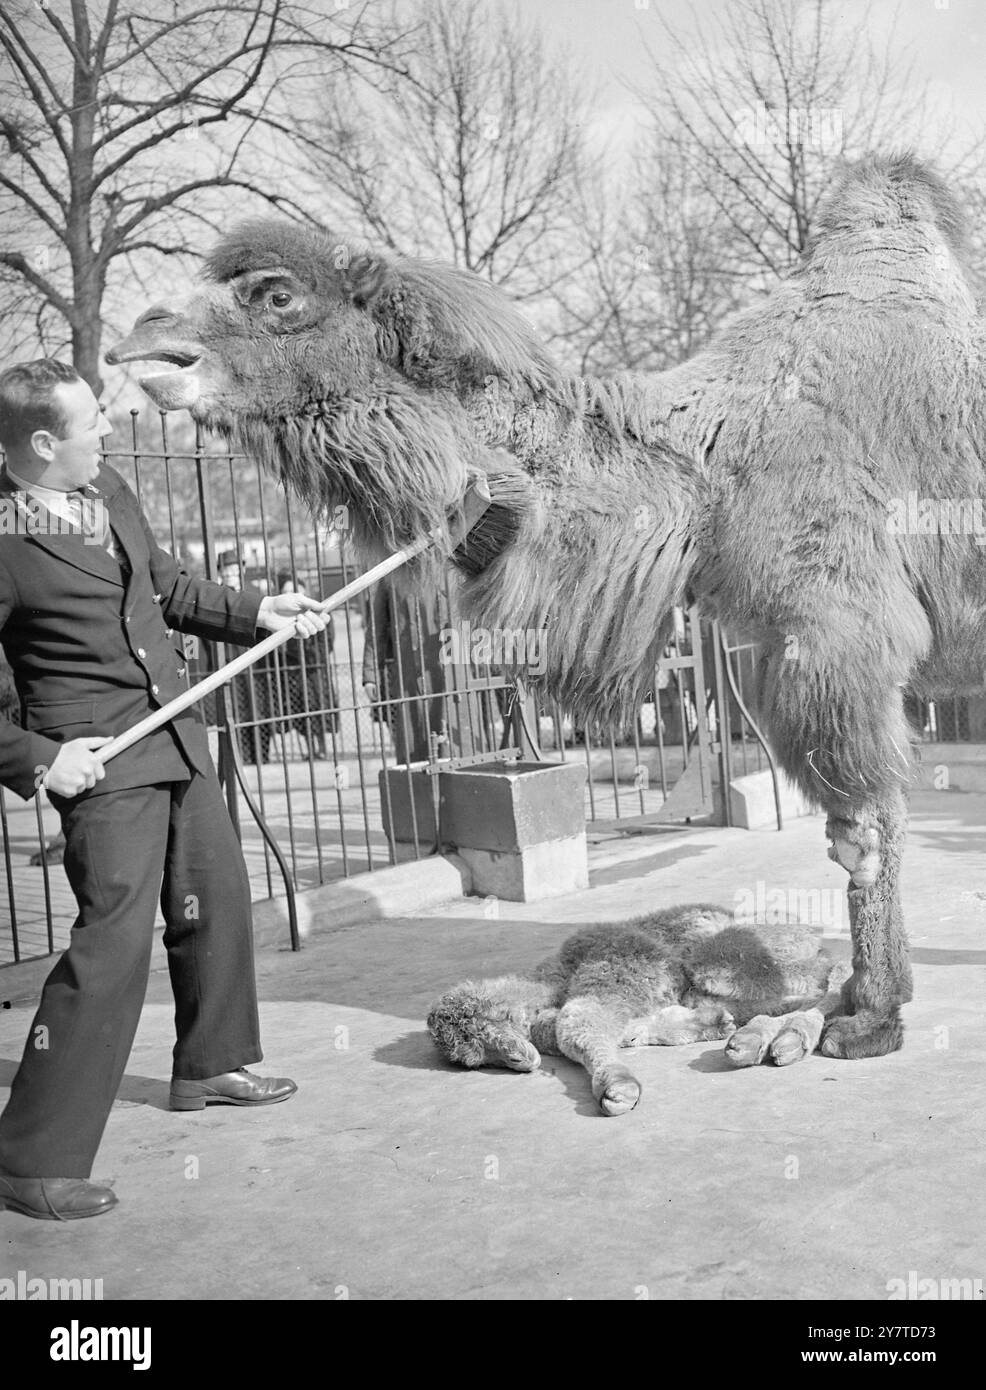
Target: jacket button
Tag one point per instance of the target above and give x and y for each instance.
(141, 652)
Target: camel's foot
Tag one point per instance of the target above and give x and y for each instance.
(616, 1089)
(865, 1034)
(857, 848)
(782, 1040)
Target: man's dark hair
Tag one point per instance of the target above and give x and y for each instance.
(27, 399)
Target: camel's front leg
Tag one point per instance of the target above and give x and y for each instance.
(590, 1032)
(869, 845)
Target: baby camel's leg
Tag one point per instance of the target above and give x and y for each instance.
(676, 1025)
(591, 1032)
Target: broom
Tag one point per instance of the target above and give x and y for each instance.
(474, 504)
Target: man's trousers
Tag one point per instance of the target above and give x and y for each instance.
(121, 850)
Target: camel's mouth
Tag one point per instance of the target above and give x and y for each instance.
(175, 388)
(177, 359)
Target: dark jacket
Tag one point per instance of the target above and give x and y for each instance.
(93, 644)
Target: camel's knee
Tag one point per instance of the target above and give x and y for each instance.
(856, 846)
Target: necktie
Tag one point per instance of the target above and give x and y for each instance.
(89, 514)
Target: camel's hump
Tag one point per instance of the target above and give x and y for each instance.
(894, 191)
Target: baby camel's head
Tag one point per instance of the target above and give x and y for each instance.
(473, 1029)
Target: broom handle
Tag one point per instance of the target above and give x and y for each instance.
(476, 501)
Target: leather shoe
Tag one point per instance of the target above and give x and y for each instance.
(54, 1199)
(230, 1088)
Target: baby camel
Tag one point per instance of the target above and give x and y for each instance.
(685, 974)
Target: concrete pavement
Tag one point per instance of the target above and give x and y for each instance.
(393, 1176)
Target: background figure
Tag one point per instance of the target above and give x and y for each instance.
(307, 682)
(251, 694)
(401, 658)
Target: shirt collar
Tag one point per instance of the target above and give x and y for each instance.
(44, 494)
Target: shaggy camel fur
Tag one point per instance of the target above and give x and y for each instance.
(686, 974)
(793, 479)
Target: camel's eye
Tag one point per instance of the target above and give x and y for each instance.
(280, 299)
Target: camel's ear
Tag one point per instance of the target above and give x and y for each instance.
(366, 278)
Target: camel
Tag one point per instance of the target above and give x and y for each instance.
(812, 478)
(681, 975)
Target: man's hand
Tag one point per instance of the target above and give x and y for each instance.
(288, 610)
(75, 769)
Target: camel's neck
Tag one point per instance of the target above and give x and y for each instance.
(588, 545)
(603, 548)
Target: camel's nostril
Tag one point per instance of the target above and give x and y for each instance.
(155, 314)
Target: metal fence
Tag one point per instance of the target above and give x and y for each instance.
(305, 738)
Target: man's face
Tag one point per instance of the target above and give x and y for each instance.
(230, 576)
(73, 460)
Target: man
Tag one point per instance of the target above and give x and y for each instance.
(401, 657)
(251, 693)
(229, 568)
(87, 608)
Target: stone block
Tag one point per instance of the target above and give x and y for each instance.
(751, 801)
(512, 806)
(519, 826)
(399, 791)
(526, 875)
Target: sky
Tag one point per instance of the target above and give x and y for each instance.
(945, 38)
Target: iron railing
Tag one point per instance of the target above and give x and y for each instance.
(300, 744)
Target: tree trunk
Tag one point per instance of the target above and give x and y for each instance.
(86, 340)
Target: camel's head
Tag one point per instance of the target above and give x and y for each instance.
(352, 375)
(283, 325)
(474, 1030)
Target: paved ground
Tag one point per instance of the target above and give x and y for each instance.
(393, 1176)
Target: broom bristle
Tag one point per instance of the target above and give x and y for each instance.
(513, 495)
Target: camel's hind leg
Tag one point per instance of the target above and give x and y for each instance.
(591, 1032)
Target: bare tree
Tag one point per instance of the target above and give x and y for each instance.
(763, 104)
(657, 274)
(470, 156)
(119, 126)
(751, 116)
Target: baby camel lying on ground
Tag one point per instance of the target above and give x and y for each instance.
(686, 974)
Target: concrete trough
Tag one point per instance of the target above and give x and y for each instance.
(520, 827)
